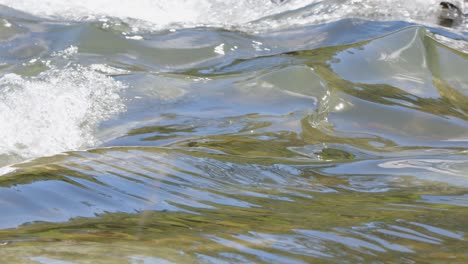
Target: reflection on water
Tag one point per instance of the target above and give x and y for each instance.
(340, 142)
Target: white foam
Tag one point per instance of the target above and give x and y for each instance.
(153, 14)
(162, 13)
(56, 111)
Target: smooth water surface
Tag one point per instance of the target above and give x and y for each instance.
(232, 132)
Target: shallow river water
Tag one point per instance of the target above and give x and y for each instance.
(235, 131)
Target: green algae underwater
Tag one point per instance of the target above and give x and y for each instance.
(336, 142)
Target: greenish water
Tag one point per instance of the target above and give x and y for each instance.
(340, 141)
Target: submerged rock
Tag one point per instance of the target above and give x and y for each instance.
(451, 13)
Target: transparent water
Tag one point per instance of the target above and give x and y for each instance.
(232, 132)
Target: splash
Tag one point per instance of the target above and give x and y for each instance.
(56, 111)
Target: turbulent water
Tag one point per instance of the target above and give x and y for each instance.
(232, 131)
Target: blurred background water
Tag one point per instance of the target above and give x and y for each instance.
(233, 131)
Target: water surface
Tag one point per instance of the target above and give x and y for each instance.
(232, 132)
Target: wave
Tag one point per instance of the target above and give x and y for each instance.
(55, 111)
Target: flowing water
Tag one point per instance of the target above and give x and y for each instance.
(232, 131)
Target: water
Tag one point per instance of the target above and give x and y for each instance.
(232, 132)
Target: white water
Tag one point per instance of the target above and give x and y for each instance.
(160, 13)
(56, 111)
(156, 15)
